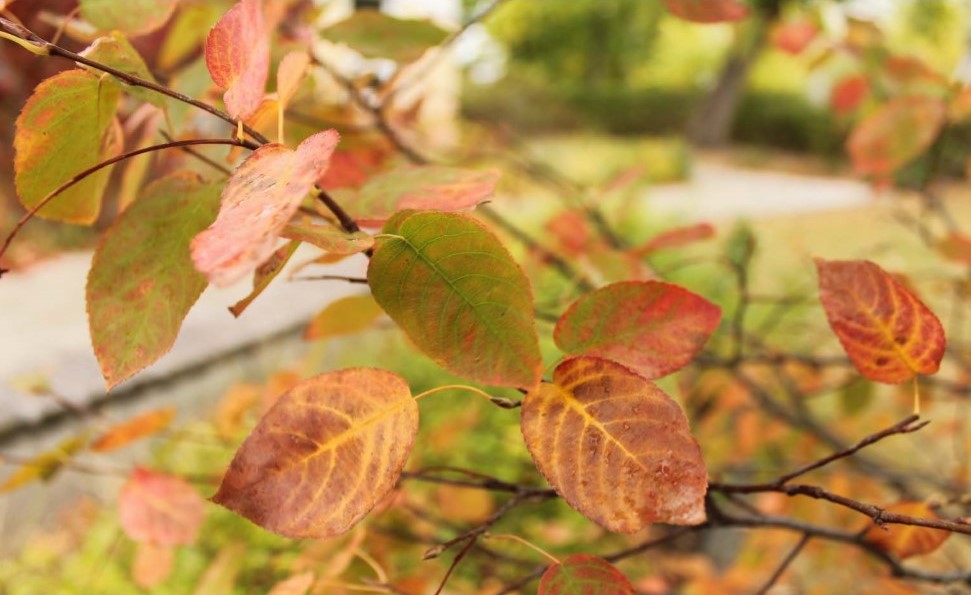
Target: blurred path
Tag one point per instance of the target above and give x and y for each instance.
(718, 191)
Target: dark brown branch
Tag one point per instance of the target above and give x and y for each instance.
(47, 47)
(361, 280)
(77, 178)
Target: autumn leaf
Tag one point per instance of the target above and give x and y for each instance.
(324, 455)
(132, 17)
(897, 132)
(257, 202)
(889, 334)
(152, 564)
(455, 290)
(265, 274)
(849, 93)
(651, 326)
(45, 465)
(297, 584)
(615, 447)
(116, 51)
(129, 431)
(707, 11)
(329, 238)
(379, 35)
(142, 282)
(289, 74)
(793, 37)
(238, 57)
(350, 168)
(61, 131)
(582, 574)
(905, 541)
(420, 188)
(344, 316)
(676, 238)
(955, 246)
(160, 509)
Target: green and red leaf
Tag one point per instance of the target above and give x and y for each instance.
(615, 447)
(324, 455)
(888, 333)
(62, 130)
(142, 282)
(582, 574)
(650, 326)
(455, 290)
(896, 133)
(257, 203)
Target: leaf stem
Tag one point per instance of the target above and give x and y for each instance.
(497, 401)
(94, 168)
(521, 541)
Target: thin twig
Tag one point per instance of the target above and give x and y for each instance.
(789, 559)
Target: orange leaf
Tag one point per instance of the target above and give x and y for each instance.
(238, 57)
(160, 509)
(152, 564)
(651, 326)
(956, 246)
(264, 275)
(894, 134)
(297, 584)
(129, 431)
(582, 574)
(707, 11)
(905, 541)
(351, 168)
(257, 202)
(615, 446)
(45, 465)
(794, 37)
(326, 453)
(889, 334)
(345, 316)
(289, 75)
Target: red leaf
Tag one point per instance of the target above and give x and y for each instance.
(894, 134)
(160, 509)
(849, 93)
(351, 168)
(675, 238)
(707, 11)
(794, 37)
(238, 57)
(582, 574)
(257, 203)
(889, 334)
(572, 230)
(651, 326)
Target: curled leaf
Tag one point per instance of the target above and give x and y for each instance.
(615, 446)
(324, 455)
(257, 202)
(889, 334)
(238, 57)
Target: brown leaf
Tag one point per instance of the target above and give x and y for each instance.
(616, 447)
(324, 455)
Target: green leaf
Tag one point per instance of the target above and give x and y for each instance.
(142, 281)
(453, 288)
(115, 51)
(377, 35)
(132, 17)
(60, 133)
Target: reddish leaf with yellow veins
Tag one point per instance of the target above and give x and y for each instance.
(905, 541)
(707, 11)
(653, 327)
(889, 334)
(160, 509)
(615, 447)
(138, 427)
(324, 455)
(894, 134)
(238, 57)
(257, 203)
(582, 574)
